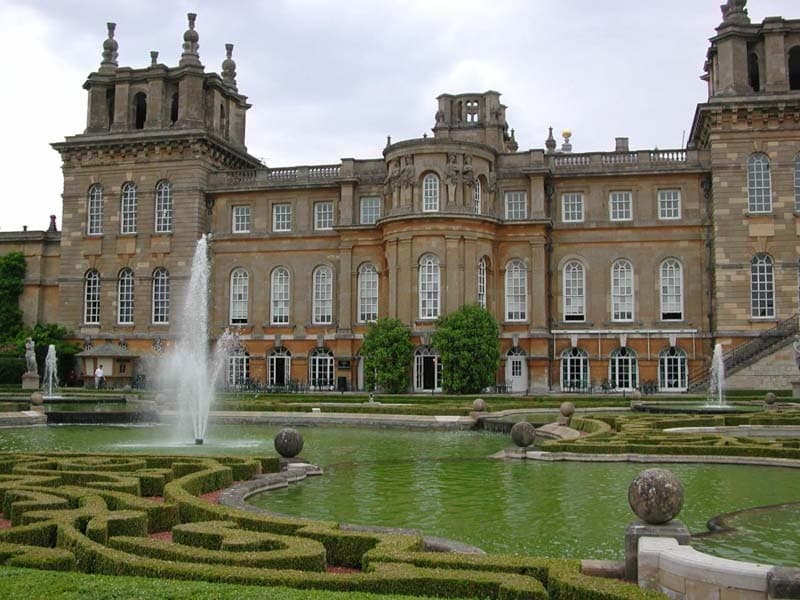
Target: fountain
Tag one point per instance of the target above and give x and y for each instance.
(716, 383)
(50, 379)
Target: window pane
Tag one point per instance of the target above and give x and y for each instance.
(430, 193)
(572, 207)
(240, 293)
(125, 297)
(574, 293)
(241, 219)
(128, 209)
(516, 205)
(759, 186)
(323, 295)
(161, 296)
(370, 210)
(622, 291)
(516, 291)
(429, 287)
(482, 283)
(323, 215)
(282, 217)
(621, 206)
(762, 287)
(367, 294)
(91, 298)
(669, 204)
(94, 225)
(280, 296)
(671, 290)
(163, 207)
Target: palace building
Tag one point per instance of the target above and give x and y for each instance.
(605, 269)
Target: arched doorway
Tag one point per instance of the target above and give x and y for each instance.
(280, 366)
(427, 370)
(516, 370)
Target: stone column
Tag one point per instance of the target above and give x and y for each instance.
(345, 306)
(537, 282)
(454, 282)
(469, 260)
(391, 278)
(407, 283)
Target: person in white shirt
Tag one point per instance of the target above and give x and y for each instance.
(99, 377)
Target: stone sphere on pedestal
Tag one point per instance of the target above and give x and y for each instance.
(37, 398)
(479, 405)
(656, 496)
(567, 409)
(769, 398)
(522, 434)
(636, 396)
(288, 442)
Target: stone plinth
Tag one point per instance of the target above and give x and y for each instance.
(796, 388)
(673, 529)
(30, 381)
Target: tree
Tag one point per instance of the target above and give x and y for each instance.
(387, 352)
(468, 343)
(12, 275)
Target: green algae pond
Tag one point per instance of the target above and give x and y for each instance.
(443, 484)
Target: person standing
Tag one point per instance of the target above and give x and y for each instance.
(99, 377)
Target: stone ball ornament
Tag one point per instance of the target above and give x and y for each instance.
(567, 409)
(770, 398)
(656, 496)
(522, 434)
(288, 442)
(479, 405)
(37, 398)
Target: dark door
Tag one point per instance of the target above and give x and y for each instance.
(428, 373)
(280, 371)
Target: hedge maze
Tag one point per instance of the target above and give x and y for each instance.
(152, 516)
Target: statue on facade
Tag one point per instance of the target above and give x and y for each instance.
(30, 356)
(391, 184)
(439, 117)
(451, 176)
(408, 176)
(467, 171)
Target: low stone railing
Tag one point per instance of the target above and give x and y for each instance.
(278, 177)
(639, 160)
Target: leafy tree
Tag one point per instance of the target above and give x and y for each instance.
(12, 275)
(45, 334)
(387, 351)
(468, 342)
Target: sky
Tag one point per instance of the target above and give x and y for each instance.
(331, 79)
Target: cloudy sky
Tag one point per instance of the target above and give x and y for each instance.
(331, 79)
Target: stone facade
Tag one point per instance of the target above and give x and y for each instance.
(604, 269)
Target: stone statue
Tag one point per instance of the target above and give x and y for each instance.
(439, 117)
(734, 12)
(30, 356)
(451, 176)
(391, 184)
(408, 177)
(796, 346)
(467, 172)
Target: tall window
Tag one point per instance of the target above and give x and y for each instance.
(161, 296)
(669, 204)
(622, 291)
(281, 217)
(280, 296)
(321, 369)
(476, 197)
(574, 369)
(672, 372)
(572, 207)
(516, 291)
(671, 290)
(94, 210)
(620, 205)
(482, 282)
(238, 369)
(91, 298)
(280, 366)
(429, 287)
(623, 369)
(759, 184)
(163, 207)
(367, 293)
(574, 291)
(323, 216)
(516, 206)
(797, 183)
(430, 193)
(370, 210)
(427, 370)
(240, 219)
(323, 295)
(762, 287)
(240, 295)
(125, 297)
(128, 208)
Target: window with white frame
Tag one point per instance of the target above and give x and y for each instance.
(160, 296)
(370, 210)
(241, 219)
(671, 290)
(94, 210)
(621, 206)
(476, 197)
(163, 207)
(516, 206)
(91, 298)
(623, 369)
(574, 291)
(280, 296)
(572, 207)
(240, 296)
(323, 216)
(429, 287)
(323, 295)
(427, 370)
(430, 193)
(238, 369)
(759, 184)
(797, 184)
(125, 284)
(516, 291)
(320, 367)
(367, 293)
(622, 291)
(281, 217)
(280, 366)
(669, 204)
(128, 208)
(482, 282)
(762, 287)
(574, 370)
(672, 371)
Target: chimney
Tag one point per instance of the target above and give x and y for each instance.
(52, 228)
(621, 144)
(24, 228)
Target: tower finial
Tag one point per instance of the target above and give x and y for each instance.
(153, 58)
(229, 68)
(550, 142)
(190, 45)
(110, 47)
(735, 13)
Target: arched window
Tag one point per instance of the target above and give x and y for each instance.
(163, 206)
(797, 184)
(320, 369)
(574, 370)
(323, 295)
(672, 372)
(623, 369)
(752, 72)
(427, 370)
(161, 296)
(139, 110)
(762, 287)
(482, 282)
(367, 293)
(476, 196)
(429, 300)
(125, 297)
(128, 208)
(280, 367)
(759, 185)
(240, 295)
(238, 368)
(94, 210)
(91, 298)
(280, 293)
(794, 68)
(430, 193)
(516, 291)
(622, 291)
(671, 290)
(574, 291)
